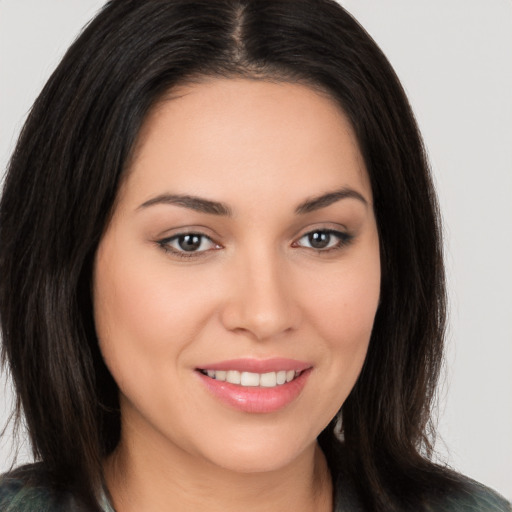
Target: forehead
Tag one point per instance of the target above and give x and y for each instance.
(247, 137)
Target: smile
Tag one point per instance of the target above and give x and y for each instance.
(255, 386)
(250, 379)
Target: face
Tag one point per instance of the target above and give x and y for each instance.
(236, 285)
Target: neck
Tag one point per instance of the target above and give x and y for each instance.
(142, 480)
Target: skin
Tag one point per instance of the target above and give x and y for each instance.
(256, 288)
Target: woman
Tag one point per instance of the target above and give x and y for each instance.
(185, 335)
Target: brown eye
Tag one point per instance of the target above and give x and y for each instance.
(319, 239)
(324, 239)
(188, 244)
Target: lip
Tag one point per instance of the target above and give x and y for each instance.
(258, 365)
(257, 400)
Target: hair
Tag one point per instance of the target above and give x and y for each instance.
(61, 187)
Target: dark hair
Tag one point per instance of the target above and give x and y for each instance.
(61, 186)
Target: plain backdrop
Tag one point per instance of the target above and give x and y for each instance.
(454, 58)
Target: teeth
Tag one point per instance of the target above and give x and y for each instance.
(233, 377)
(249, 379)
(268, 380)
(220, 375)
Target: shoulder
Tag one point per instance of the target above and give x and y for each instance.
(28, 489)
(467, 495)
(17, 496)
(439, 490)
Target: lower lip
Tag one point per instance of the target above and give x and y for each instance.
(256, 399)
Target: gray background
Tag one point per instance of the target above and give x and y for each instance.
(454, 58)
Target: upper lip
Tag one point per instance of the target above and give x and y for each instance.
(257, 365)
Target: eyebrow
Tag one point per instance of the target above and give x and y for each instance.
(192, 202)
(202, 205)
(324, 200)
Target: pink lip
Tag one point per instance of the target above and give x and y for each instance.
(257, 399)
(258, 365)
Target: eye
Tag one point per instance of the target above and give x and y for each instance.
(324, 240)
(187, 244)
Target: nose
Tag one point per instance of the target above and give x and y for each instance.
(261, 301)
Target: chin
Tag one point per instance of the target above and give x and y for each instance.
(260, 454)
(254, 463)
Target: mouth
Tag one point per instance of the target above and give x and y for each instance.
(252, 379)
(255, 386)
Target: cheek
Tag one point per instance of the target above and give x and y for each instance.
(136, 300)
(135, 312)
(345, 303)
(147, 314)
(342, 311)
(127, 305)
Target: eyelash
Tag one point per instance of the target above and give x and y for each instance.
(165, 245)
(344, 239)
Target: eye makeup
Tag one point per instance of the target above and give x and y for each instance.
(194, 244)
